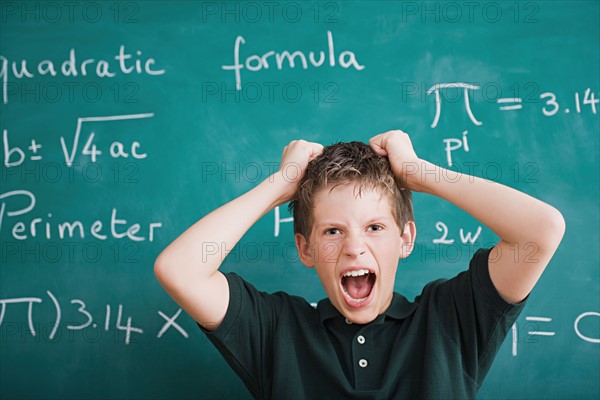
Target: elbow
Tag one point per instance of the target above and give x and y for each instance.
(160, 268)
(559, 225)
(555, 228)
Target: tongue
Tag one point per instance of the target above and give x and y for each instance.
(358, 287)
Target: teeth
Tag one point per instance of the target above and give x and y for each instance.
(358, 272)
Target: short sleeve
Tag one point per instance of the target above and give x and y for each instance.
(484, 287)
(245, 335)
(473, 314)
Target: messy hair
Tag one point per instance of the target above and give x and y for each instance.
(350, 162)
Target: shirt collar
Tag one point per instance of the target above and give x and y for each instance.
(400, 308)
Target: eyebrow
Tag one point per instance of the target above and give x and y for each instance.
(334, 223)
(328, 223)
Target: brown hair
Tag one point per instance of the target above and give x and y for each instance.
(351, 162)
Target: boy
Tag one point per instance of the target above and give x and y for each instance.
(353, 222)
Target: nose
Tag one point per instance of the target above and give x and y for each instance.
(354, 245)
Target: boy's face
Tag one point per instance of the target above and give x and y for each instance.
(355, 235)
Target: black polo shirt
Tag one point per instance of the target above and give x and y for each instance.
(438, 347)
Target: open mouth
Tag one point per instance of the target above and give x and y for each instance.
(357, 286)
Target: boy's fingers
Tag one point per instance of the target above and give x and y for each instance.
(316, 149)
(302, 148)
(378, 143)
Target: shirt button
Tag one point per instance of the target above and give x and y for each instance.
(348, 321)
(363, 363)
(361, 339)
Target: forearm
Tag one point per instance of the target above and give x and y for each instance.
(202, 247)
(518, 219)
(514, 216)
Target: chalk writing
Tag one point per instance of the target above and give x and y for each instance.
(549, 108)
(45, 227)
(127, 64)
(465, 238)
(257, 62)
(15, 156)
(88, 320)
(279, 221)
(533, 329)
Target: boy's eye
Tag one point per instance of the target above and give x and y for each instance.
(332, 231)
(375, 227)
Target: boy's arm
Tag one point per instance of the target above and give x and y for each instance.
(188, 267)
(529, 229)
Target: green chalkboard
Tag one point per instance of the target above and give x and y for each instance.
(125, 122)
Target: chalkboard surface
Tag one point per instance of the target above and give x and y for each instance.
(125, 122)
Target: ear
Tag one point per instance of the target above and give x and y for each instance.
(408, 238)
(304, 250)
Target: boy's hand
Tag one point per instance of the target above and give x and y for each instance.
(396, 145)
(294, 160)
